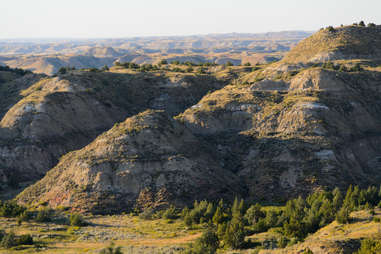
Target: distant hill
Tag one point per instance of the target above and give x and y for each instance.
(262, 133)
(340, 43)
(47, 57)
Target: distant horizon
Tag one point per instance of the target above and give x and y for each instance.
(93, 19)
(148, 36)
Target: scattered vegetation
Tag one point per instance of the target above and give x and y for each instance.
(299, 217)
(17, 71)
(10, 240)
(207, 244)
(112, 250)
(369, 246)
(342, 67)
(64, 70)
(77, 220)
(11, 209)
(44, 215)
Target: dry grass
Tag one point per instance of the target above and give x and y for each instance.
(123, 230)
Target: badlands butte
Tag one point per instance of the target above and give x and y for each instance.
(113, 140)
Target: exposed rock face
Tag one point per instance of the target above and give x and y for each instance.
(349, 42)
(291, 142)
(61, 114)
(267, 138)
(148, 153)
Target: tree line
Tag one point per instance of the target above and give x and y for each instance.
(229, 225)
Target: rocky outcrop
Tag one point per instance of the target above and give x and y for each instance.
(149, 157)
(56, 115)
(270, 135)
(341, 43)
(291, 142)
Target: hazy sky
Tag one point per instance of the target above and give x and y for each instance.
(125, 18)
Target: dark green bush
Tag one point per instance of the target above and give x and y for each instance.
(369, 246)
(207, 244)
(25, 240)
(10, 209)
(235, 233)
(25, 216)
(44, 215)
(254, 213)
(8, 241)
(94, 70)
(62, 70)
(282, 242)
(111, 250)
(147, 214)
(342, 216)
(170, 213)
(331, 29)
(77, 220)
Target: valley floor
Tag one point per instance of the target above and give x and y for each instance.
(133, 234)
(136, 236)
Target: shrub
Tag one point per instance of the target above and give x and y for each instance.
(260, 226)
(331, 29)
(170, 213)
(44, 215)
(111, 250)
(177, 69)
(93, 70)
(201, 70)
(188, 220)
(25, 216)
(343, 68)
(254, 213)
(356, 68)
(369, 246)
(282, 242)
(247, 64)
(362, 23)
(10, 209)
(2, 234)
(62, 70)
(147, 214)
(8, 241)
(207, 244)
(235, 233)
(330, 65)
(342, 216)
(228, 63)
(163, 62)
(371, 25)
(307, 251)
(77, 220)
(25, 240)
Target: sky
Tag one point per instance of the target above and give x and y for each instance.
(129, 18)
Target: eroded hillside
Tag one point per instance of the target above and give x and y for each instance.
(273, 133)
(49, 116)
